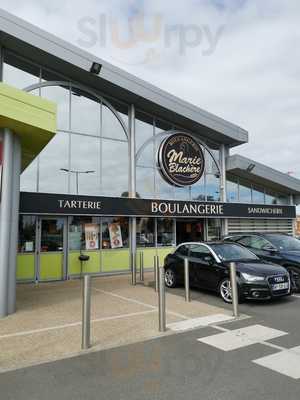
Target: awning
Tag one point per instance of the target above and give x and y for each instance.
(260, 174)
(31, 117)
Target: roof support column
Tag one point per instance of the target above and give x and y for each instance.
(132, 191)
(1, 63)
(9, 209)
(223, 193)
(14, 228)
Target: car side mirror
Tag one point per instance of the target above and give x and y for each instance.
(270, 248)
(209, 259)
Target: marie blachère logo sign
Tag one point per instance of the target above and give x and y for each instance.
(180, 160)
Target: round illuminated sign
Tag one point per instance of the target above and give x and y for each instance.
(181, 160)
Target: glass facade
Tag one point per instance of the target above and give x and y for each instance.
(240, 191)
(89, 155)
(145, 232)
(27, 234)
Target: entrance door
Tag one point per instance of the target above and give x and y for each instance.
(51, 249)
(189, 230)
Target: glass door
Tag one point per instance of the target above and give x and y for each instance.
(51, 249)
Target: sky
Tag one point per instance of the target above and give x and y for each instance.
(237, 59)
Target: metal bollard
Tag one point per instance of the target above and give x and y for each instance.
(133, 269)
(141, 266)
(156, 272)
(234, 289)
(86, 312)
(162, 300)
(187, 280)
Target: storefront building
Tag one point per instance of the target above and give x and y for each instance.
(98, 186)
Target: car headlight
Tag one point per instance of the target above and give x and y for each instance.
(252, 278)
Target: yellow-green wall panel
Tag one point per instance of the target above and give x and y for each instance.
(25, 267)
(51, 266)
(90, 266)
(150, 252)
(163, 252)
(31, 117)
(115, 260)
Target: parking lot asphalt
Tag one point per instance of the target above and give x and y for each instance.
(246, 359)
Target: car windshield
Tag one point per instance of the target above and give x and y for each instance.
(283, 242)
(232, 252)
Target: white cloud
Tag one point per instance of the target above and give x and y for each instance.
(251, 79)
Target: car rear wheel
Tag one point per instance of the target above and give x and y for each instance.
(170, 278)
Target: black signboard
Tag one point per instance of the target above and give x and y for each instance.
(44, 203)
(180, 160)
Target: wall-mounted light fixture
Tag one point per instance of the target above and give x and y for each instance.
(250, 167)
(95, 68)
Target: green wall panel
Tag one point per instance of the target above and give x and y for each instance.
(115, 260)
(90, 266)
(112, 260)
(150, 252)
(51, 266)
(163, 252)
(25, 267)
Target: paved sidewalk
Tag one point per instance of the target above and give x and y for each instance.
(47, 325)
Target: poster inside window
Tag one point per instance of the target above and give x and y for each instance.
(115, 232)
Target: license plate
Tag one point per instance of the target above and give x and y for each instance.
(280, 286)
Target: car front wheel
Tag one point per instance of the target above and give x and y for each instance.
(225, 290)
(295, 277)
(170, 278)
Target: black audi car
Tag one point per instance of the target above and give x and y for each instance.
(277, 248)
(209, 269)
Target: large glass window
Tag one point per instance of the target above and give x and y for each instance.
(165, 232)
(184, 193)
(258, 195)
(18, 72)
(232, 191)
(144, 132)
(283, 199)
(244, 194)
(115, 232)
(198, 190)
(111, 127)
(61, 96)
(145, 232)
(114, 168)
(210, 165)
(85, 114)
(145, 182)
(84, 233)
(52, 231)
(213, 229)
(28, 179)
(85, 165)
(270, 197)
(163, 189)
(27, 234)
(53, 159)
(212, 187)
